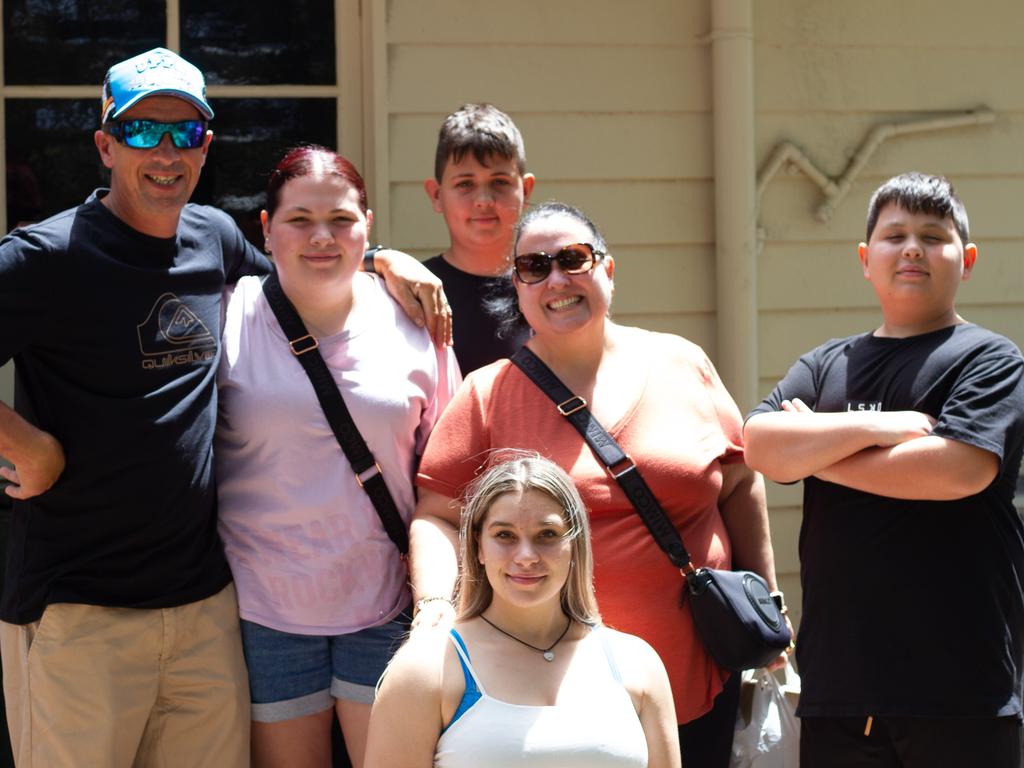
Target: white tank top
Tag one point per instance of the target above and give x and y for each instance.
(601, 730)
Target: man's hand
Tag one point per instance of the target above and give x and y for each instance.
(418, 291)
(39, 464)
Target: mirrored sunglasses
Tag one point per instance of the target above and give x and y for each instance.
(572, 260)
(146, 134)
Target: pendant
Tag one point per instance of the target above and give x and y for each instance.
(549, 656)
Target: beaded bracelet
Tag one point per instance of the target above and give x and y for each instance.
(424, 600)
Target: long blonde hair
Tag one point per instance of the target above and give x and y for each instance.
(515, 475)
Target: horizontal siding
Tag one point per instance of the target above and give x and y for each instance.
(798, 78)
(576, 146)
(698, 328)
(831, 139)
(554, 79)
(541, 22)
(915, 25)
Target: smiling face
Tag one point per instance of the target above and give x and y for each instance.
(318, 232)
(480, 203)
(149, 187)
(524, 548)
(915, 262)
(561, 303)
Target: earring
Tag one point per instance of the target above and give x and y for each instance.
(266, 247)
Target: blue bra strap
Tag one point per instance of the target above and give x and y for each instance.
(472, 693)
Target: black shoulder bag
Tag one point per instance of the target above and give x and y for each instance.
(735, 615)
(367, 470)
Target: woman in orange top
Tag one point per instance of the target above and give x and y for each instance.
(662, 400)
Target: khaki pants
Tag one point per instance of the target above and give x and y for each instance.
(123, 687)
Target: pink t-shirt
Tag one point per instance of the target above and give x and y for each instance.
(306, 547)
(680, 431)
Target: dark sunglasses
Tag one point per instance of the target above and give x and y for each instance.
(146, 134)
(572, 259)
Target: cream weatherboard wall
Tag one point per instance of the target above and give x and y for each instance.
(615, 102)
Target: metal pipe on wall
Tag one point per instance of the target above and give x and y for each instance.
(732, 65)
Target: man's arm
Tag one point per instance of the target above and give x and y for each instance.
(796, 442)
(434, 557)
(926, 468)
(37, 456)
(418, 291)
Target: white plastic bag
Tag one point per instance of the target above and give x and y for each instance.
(771, 738)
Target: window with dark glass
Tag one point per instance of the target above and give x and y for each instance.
(52, 163)
(250, 136)
(72, 42)
(241, 42)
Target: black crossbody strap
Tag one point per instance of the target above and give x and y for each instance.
(620, 466)
(367, 471)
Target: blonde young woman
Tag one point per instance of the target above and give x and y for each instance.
(527, 677)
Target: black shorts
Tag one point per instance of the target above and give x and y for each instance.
(910, 742)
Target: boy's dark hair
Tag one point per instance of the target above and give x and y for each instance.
(482, 129)
(920, 193)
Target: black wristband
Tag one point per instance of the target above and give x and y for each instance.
(368, 258)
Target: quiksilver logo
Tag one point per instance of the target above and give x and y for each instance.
(172, 334)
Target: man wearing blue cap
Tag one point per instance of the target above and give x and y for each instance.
(119, 623)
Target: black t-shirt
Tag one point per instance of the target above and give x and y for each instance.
(475, 329)
(914, 608)
(115, 337)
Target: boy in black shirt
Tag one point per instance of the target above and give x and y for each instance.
(480, 186)
(909, 440)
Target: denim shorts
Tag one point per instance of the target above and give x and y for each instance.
(297, 675)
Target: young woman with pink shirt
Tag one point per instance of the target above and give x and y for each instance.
(322, 589)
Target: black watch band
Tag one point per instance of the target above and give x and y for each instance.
(368, 258)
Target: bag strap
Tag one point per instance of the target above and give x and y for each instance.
(619, 465)
(367, 470)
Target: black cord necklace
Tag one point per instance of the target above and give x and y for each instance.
(548, 652)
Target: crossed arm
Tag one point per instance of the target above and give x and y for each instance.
(887, 453)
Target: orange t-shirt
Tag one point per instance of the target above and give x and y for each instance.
(678, 433)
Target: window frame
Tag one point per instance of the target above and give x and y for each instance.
(347, 91)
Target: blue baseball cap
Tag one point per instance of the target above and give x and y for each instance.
(158, 72)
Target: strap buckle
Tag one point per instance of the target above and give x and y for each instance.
(303, 344)
(368, 474)
(572, 405)
(626, 463)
